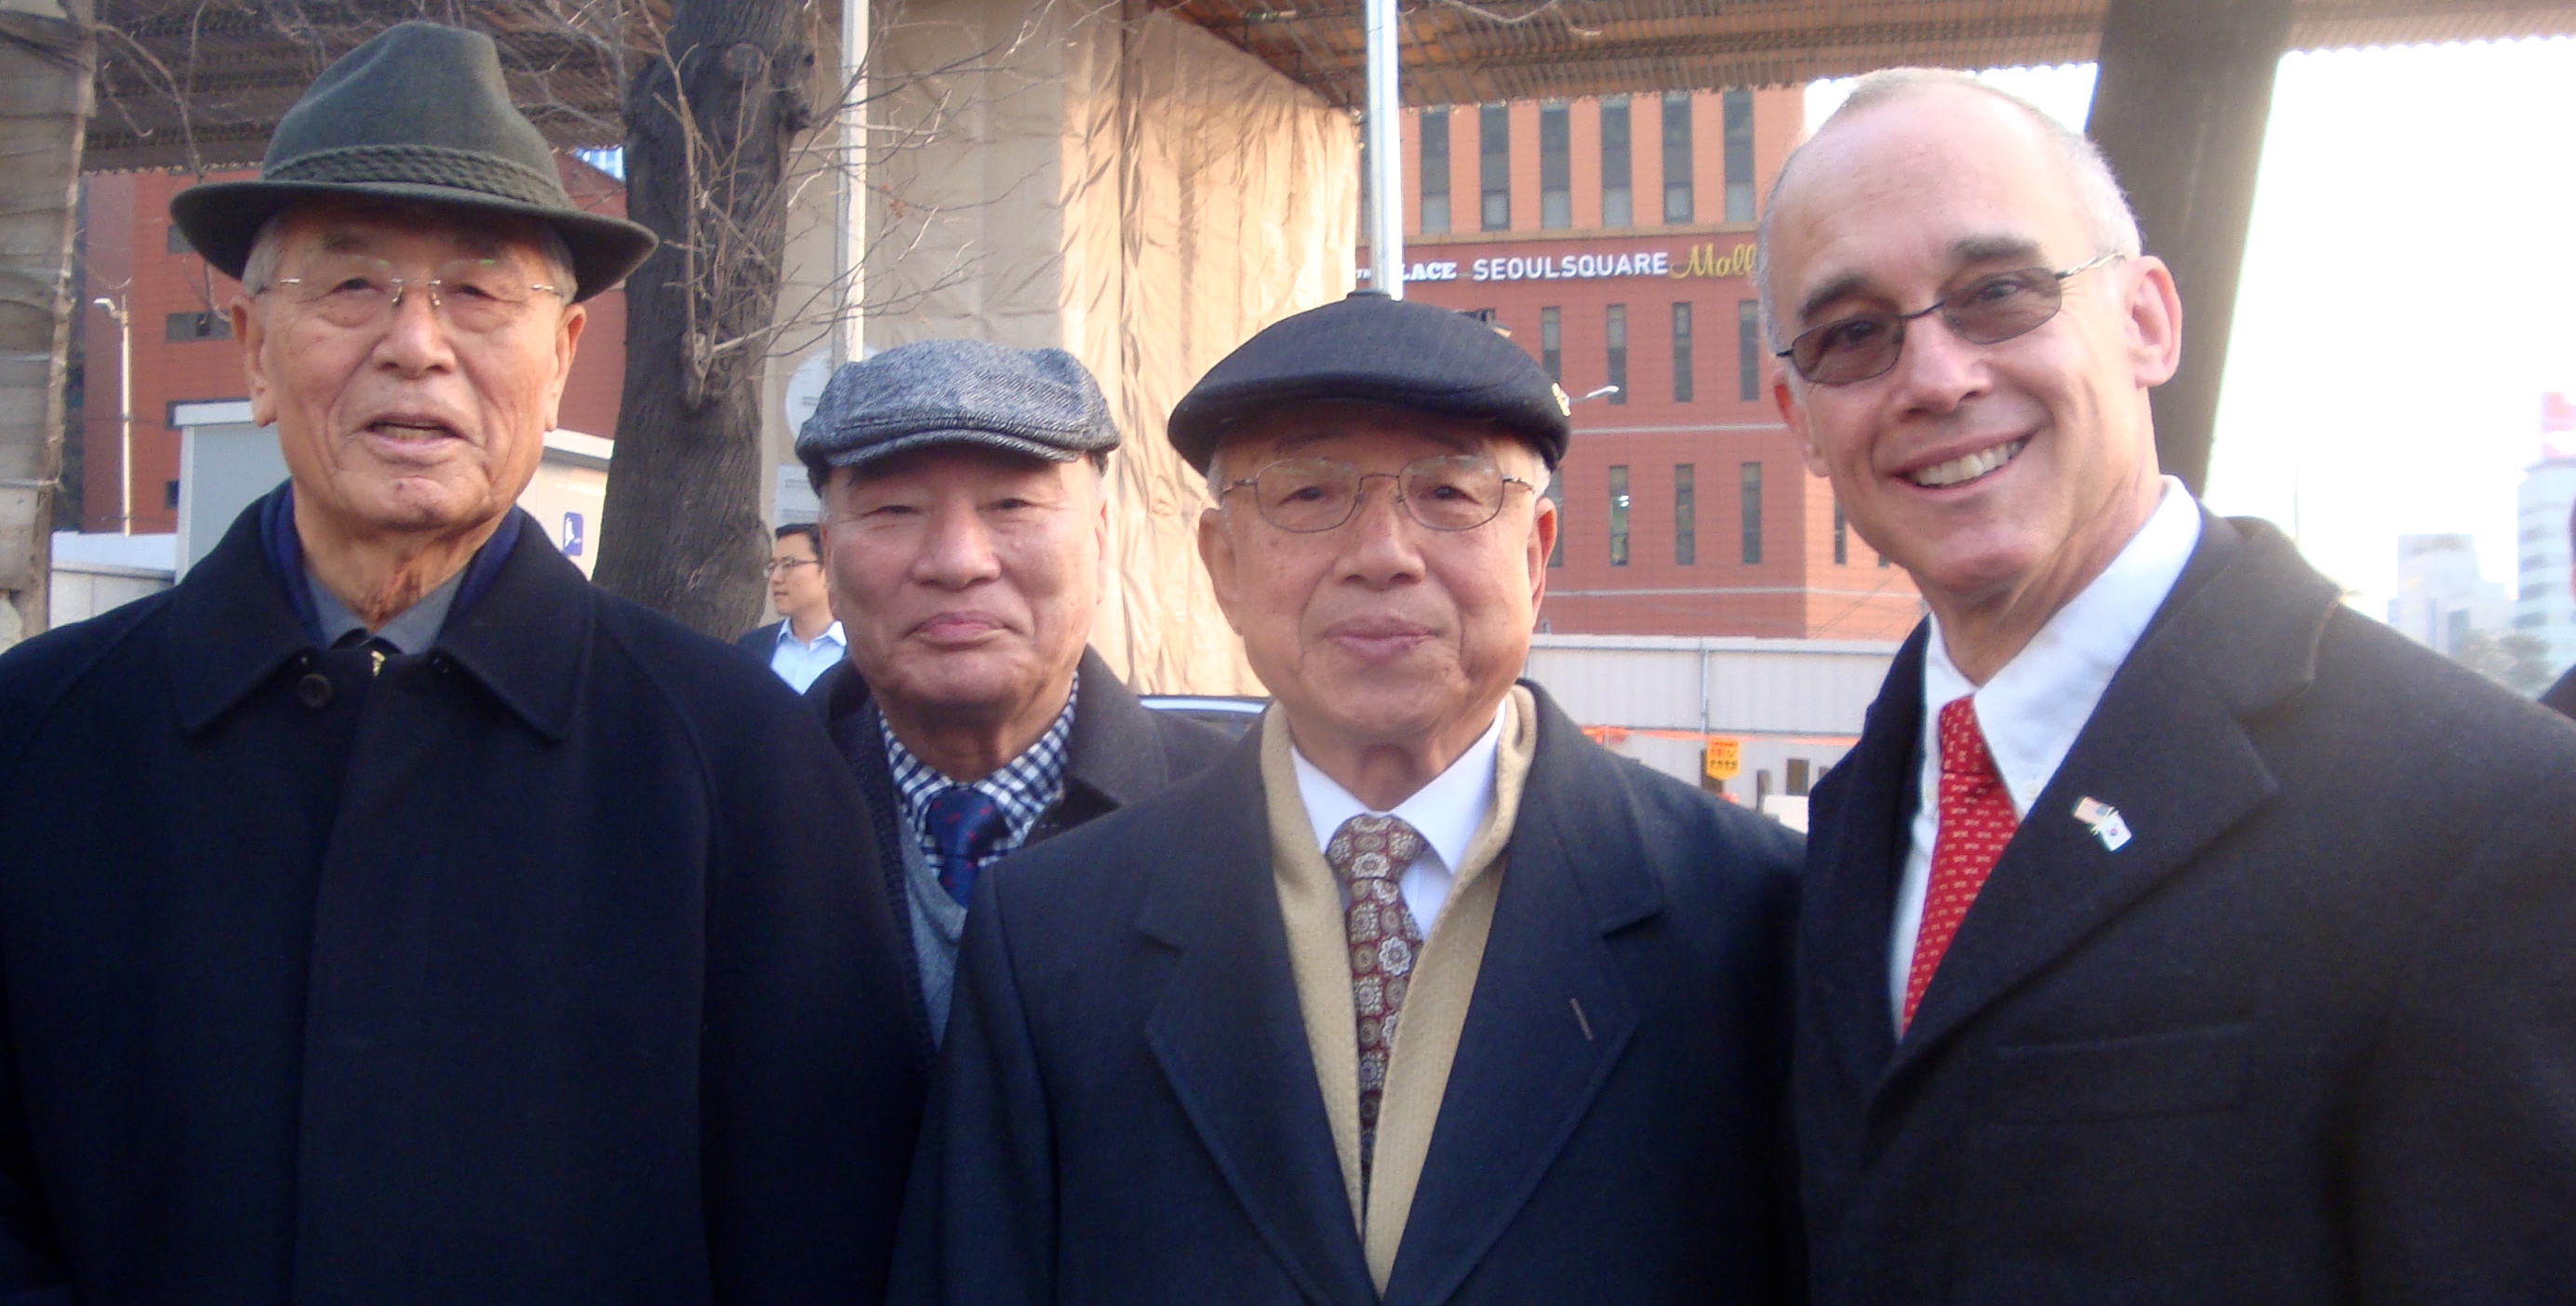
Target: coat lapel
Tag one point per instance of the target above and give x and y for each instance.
(1853, 857)
(1230, 1039)
(1550, 1015)
(2166, 747)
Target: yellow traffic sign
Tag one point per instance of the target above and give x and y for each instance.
(1722, 759)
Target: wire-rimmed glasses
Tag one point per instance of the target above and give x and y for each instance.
(1987, 311)
(1445, 492)
(359, 291)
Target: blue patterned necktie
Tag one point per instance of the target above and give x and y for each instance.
(965, 824)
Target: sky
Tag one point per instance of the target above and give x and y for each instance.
(2407, 295)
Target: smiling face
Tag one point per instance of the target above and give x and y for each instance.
(1999, 473)
(1381, 631)
(411, 425)
(966, 579)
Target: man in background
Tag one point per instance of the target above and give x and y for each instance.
(805, 641)
(965, 530)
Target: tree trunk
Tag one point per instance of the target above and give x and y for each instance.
(2180, 101)
(708, 127)
(46, 65)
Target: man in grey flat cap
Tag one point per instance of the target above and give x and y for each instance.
(389, 916)
(964, 536)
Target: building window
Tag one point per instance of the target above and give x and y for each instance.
(1616, 207)
(170, 495)
(1618, 516)
(1555, 168)
(1739, 156)
(1551, 344)
(1494, 165)
(1685, 515)
(1435, 170)
(1556, 495)
(1615, 331)
(1681, 353)
(1794, 777)
(1748, 350)
(184, 327)
(1752, 513)
(1842, 536)
(1677, 158)
(179, 241)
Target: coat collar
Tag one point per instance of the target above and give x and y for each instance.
(2167, 747)
(525, 636)
(1115, 751)
(1230, 1038)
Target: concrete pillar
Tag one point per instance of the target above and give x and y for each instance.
(2184, 92)
(1122, 185)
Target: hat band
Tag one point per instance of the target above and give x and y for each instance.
(424, 165)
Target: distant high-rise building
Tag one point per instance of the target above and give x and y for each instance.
(2542, 603)
(2441, 600)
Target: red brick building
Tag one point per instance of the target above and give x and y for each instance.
(1613, 238)
(183, 351)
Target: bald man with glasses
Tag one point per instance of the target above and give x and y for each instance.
(2172, 934)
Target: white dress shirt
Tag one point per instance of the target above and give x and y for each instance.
(2032, 710)
(801, 663)
(1446, 812)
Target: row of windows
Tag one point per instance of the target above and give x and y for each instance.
(1556, 164)
(1614, 335)
(1686, 517)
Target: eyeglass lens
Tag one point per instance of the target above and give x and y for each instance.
(1450, 492)
(357, 290)
(1987, 311)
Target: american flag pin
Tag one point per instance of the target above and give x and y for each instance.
(2104, 820)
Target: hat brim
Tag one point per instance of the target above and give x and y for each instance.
(973, 439)
(222, 218)
(1203, 420)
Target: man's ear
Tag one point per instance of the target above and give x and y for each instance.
(1216, 553)
(1544, 523)
(2154, 320)
(567, 344)
(249, 335)
(1794, 415)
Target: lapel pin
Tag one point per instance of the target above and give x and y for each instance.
(2105, 822)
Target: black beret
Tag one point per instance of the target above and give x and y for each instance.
(1400, 352)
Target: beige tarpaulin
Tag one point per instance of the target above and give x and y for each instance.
(1136, 191)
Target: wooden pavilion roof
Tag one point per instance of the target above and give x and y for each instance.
(200, 83)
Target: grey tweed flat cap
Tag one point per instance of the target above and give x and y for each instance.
(1038, 402)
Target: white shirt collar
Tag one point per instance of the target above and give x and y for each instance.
(2032, 710)
(831, 635)
(1446, 812)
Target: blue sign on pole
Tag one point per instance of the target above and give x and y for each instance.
(572, 535)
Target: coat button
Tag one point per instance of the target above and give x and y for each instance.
(314, 691)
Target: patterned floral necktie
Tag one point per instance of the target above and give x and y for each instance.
(1977, 820)
(1369, 854)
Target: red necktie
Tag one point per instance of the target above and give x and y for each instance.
(1976, 821)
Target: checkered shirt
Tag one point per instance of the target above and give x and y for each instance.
(1025, 787)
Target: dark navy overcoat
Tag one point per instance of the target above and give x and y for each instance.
(546, 966)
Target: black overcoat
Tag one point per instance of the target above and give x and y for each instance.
(541, 967)
(1126, 1111)
(2307, 1036)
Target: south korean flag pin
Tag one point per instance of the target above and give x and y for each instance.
(2104, 820)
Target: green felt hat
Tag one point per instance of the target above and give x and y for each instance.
(419, 113)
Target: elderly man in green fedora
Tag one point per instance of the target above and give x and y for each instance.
(388, 915)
